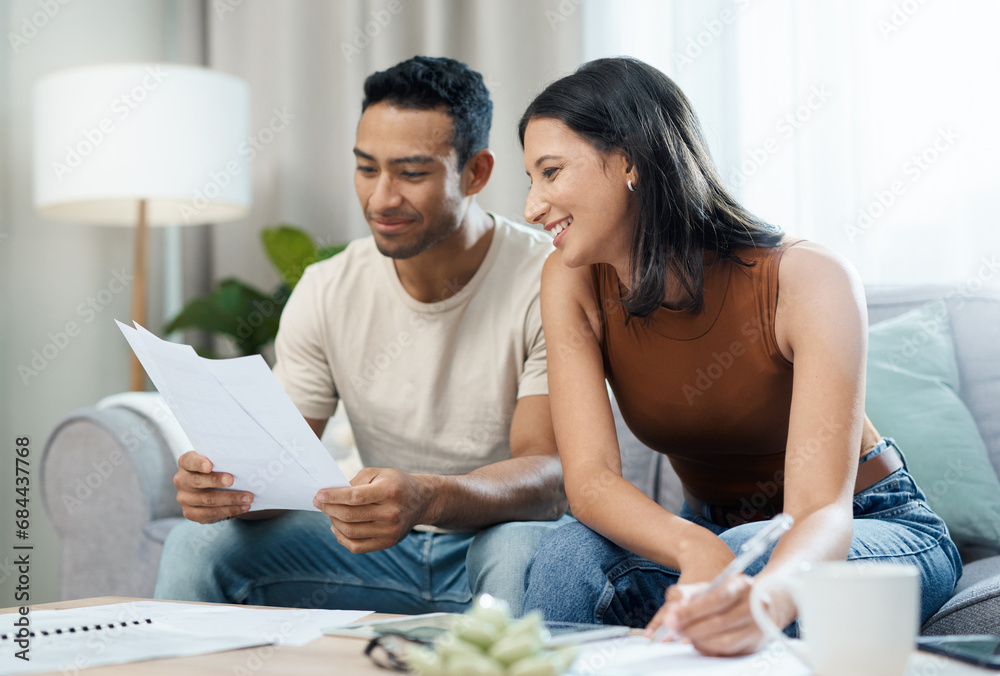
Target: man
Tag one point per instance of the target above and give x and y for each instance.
(429, 333)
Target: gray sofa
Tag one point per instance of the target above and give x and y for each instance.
(106, 475)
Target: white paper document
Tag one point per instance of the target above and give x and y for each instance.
(72, 639)
(636, 655)
(237, 415)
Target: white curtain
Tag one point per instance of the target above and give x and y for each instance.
(867, 125)
(306, 60)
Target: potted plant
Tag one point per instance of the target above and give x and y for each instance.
(245, 315)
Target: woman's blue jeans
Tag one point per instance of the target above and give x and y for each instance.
(293, 560)
(580, 576)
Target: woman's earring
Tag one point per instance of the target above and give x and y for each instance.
(630, 186)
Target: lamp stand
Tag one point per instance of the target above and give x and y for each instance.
(139, 292)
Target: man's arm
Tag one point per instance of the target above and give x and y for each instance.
(382, 505)
(528, 487)
(317, 425)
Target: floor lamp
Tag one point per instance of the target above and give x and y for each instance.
(142, 145)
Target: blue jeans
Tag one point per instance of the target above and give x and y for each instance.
(610, 585)
(294, 560)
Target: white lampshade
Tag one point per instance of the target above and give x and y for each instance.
(107, 136)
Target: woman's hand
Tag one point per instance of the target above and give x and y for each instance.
(717, 623)
(720, 623)
(706, 556)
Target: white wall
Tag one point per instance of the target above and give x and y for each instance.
(49, 269)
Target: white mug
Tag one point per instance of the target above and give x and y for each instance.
(855, 618)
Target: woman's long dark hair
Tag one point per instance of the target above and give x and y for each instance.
(623, 104)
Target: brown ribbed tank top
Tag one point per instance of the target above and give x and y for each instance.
(710, 390)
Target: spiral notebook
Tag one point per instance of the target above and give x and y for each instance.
(76, 638)
(68, 643)
(107, 628)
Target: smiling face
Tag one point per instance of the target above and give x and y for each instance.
(579, 194)
(407, 178)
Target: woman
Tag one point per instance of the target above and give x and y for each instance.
(669, 289)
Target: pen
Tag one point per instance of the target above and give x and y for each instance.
(750, 551)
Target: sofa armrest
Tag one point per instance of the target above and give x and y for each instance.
(106, 473)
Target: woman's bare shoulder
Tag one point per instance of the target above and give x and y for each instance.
(572, 289)
(820, 297)
(817, 271)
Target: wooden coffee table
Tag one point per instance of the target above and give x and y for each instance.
(326, 655)
(339, 655)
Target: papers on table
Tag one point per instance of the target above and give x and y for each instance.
(634, 655)
(279, 626)
(119, 633)
(237, 415)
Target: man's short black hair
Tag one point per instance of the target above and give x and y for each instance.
(428, 82)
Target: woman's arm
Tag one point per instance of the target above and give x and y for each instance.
(588, 445)
(823, 321)
(821, 325)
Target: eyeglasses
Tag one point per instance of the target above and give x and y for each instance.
(389, 650)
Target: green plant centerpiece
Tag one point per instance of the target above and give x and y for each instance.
(486, 641)
(241, 312)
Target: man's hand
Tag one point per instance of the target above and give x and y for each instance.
(377, 510)
(198, 491)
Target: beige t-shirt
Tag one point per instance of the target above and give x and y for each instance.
(428, 387)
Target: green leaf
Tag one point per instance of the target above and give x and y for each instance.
(290, 250)
(235, 309)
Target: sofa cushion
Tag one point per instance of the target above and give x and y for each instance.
(912, 396)
(976, 329)
(975, 606)
(974, 312)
